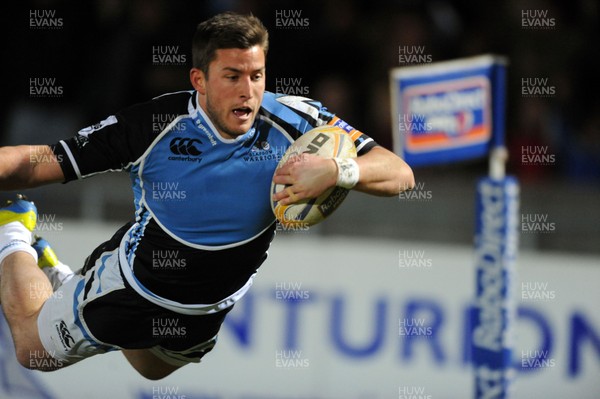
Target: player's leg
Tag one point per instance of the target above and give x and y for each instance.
(106, 314)
(23, 290)
(158, 362)
(57, 272)
(23, 286)
(197, 336)
(108, 311)
(148, 365)
(63, 319)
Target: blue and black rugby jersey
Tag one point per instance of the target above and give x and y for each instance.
(204, 198)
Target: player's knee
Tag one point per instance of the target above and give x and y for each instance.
(148, 365)
(153, 371)
(153, 374)
(25, 358)
(35, 359)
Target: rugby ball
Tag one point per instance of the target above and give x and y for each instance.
(327, 142)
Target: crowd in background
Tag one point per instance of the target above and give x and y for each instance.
(342, 52)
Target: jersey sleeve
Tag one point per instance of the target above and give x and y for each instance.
(312, 114)
(110, 145)
(362, 142)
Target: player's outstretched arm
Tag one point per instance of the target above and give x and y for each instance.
(27, 166)
(383, 173)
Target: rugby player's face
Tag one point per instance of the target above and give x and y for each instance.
(233, 89)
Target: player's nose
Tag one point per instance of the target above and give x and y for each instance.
(245, 88)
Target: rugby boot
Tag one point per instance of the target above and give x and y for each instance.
(57, 272)
(20, 210)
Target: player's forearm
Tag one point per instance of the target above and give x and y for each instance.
(27, 166)
(383, 173)
(13, 169)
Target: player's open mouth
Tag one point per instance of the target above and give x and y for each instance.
(242, 112)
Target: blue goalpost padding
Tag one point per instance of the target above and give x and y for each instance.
(452, 111)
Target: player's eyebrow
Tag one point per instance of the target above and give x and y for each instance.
(235, 70)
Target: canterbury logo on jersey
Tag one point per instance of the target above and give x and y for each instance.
(186, 149)
(65, 336)
(184, 146)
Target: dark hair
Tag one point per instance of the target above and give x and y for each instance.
(226, 30)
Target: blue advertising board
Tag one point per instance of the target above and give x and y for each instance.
(448, 111)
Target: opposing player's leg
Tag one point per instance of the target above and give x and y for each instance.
(24, 288)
